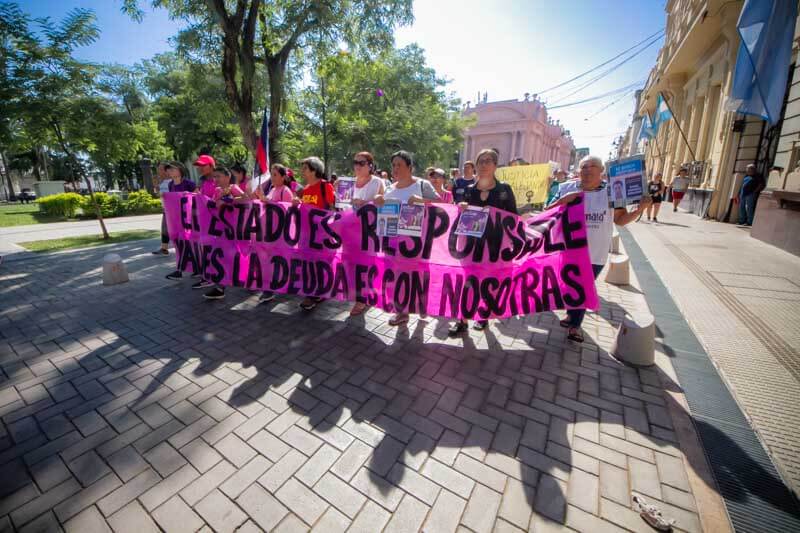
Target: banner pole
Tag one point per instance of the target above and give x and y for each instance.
(678, 125)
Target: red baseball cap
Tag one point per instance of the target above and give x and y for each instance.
(205, 160)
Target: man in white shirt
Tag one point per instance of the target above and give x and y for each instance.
(600, 220)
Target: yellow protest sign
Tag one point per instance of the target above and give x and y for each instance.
(526, 178)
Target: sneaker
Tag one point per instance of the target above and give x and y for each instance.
(175, 276)
(480, 325)
(160, 251)
(266, 296)
(202, 284)
(217, 293)
(455, 329)
(655, 219)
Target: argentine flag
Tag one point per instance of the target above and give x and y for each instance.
(662, 113)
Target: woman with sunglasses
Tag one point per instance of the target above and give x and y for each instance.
(368, 186)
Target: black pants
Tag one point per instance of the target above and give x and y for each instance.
(575, 316)
(164, 233)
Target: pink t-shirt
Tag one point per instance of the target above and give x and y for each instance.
(234, 193)
(280, 194)
(446, 196)
(208, 187)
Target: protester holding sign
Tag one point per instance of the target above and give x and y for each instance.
(368, 186)
(178, 182)
(406, 189)
(319, 193)
(226, 191)
(205, 166)
(487, 192)
(600, 220)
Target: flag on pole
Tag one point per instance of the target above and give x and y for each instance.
(262, 150)
(762, 64)
(647, 128)
(661, 115)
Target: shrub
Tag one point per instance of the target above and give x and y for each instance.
(60, 205)
(110, 206)
(141, 202)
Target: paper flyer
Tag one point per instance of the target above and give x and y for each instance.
(410, 223)
(472, 222)
(388, 219)
(626, 181)
(344, 192)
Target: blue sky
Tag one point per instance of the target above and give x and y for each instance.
(505, 48)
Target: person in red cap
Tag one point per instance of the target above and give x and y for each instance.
(207, 187)
(205, 166)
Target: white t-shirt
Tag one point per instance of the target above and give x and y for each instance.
(599, 218)
(369, 190)
(680, 184)
(420, 187)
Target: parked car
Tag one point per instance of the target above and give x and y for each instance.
(26, 196)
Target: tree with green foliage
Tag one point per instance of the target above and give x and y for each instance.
(243, 34)
(394, 101)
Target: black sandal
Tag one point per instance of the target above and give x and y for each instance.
(575, 335)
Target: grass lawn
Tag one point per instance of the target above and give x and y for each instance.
(24, 214)
(85, 241)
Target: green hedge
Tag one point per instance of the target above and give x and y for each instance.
(65, 204)
(138, 203)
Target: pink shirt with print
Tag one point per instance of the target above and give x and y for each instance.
(235, 191)
(280, 194)
(208, 187)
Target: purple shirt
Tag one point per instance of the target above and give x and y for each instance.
(184, 186)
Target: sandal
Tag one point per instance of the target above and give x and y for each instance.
(309, 303)
(652, 514)
(575, 335)
(358, 308)
(399, 319)
(455, 329)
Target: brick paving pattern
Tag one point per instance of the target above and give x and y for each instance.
(142, 407)
(742, 299)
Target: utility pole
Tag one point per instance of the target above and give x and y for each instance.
(324, 125)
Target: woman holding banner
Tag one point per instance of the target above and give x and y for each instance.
(486, 192)
(367, 187)
(406, 189)
(600, 220)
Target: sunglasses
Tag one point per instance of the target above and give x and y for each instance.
(360, 162)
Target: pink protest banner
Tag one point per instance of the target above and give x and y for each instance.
(519, 266)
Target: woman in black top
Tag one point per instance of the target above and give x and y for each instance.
(486, 192)
(655, 188)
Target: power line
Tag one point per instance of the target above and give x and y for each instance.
(599, 96)
(606, 72)
(612, 104)
(661, 31)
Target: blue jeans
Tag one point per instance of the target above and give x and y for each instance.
(575, 316)
(747, 208)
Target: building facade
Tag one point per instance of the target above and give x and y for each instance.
(517, 129)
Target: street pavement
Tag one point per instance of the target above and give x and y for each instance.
(9, 237)
(741, 298)
(141, 406)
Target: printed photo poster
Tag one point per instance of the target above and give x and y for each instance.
(345, 187)
(626, 181)
(411, 218)
(472, 222)
(388, 219)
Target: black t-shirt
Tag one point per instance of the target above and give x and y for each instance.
(501, 197)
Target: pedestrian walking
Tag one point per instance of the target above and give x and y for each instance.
(279, 191)
(179, 182)
(655, 189)
(208, 187)
(600, 220)
(752, 185)
(225, 192)
(680, 184)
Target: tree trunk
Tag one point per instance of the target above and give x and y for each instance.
(79, 167)
(276, 68)
(7, 176)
